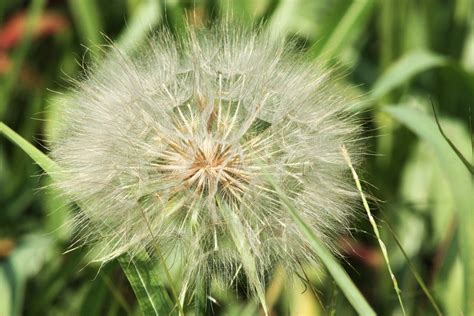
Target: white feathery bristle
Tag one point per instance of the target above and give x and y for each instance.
(181, 138)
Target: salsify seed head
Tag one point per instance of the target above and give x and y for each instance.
(172, 148)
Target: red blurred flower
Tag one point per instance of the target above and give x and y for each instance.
(13, 30)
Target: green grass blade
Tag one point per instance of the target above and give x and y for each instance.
(341, 277)
(86, 17)
(281, 18)
(163, 261)
(350, 23)
(146, 16)
(413, 270)
(404, 69)
(383, 248)
(459, 180)
(141, 274)
(453, 147)
(143, 277)
(39, 157)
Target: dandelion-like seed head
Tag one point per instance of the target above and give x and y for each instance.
(173, 148)
(204, 161)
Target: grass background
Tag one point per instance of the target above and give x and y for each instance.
(400, 53)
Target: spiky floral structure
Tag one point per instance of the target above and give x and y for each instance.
(173, 148)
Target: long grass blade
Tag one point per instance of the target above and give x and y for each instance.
(351, 21)
(163, 262)
(39, 157)
(374, 227)
(86, 17)
(459, 180)
(147, 15)
(152, 296)
(408, 66)
(341, 277)
(413, 270)
(141, 275)
(451, 144)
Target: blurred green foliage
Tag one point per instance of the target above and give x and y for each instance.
(399, 53)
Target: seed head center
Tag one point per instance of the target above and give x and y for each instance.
(217, 167)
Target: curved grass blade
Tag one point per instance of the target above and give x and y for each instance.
(46, 163)
(406, 67)
(374, 227)
(346, 29)
(141, 274)
(86, 16)
(146, 16)
(341, 277)
(160, 256)
(459, 181)
(281, 18)
(143, 277)
(413, 270)
(453, 147)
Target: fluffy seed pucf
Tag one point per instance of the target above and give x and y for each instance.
(172, 147)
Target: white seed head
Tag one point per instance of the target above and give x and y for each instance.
(172, 148)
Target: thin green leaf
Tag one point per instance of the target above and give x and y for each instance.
(460, 183)
(163, 261)
(453, 147)
(39, 157)
(146, 16)
(383, 248)
(143, 277)
(413, 270)
(282, 17)
(86, 17)
(341, 277)
(351, 22)
(406, 67)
